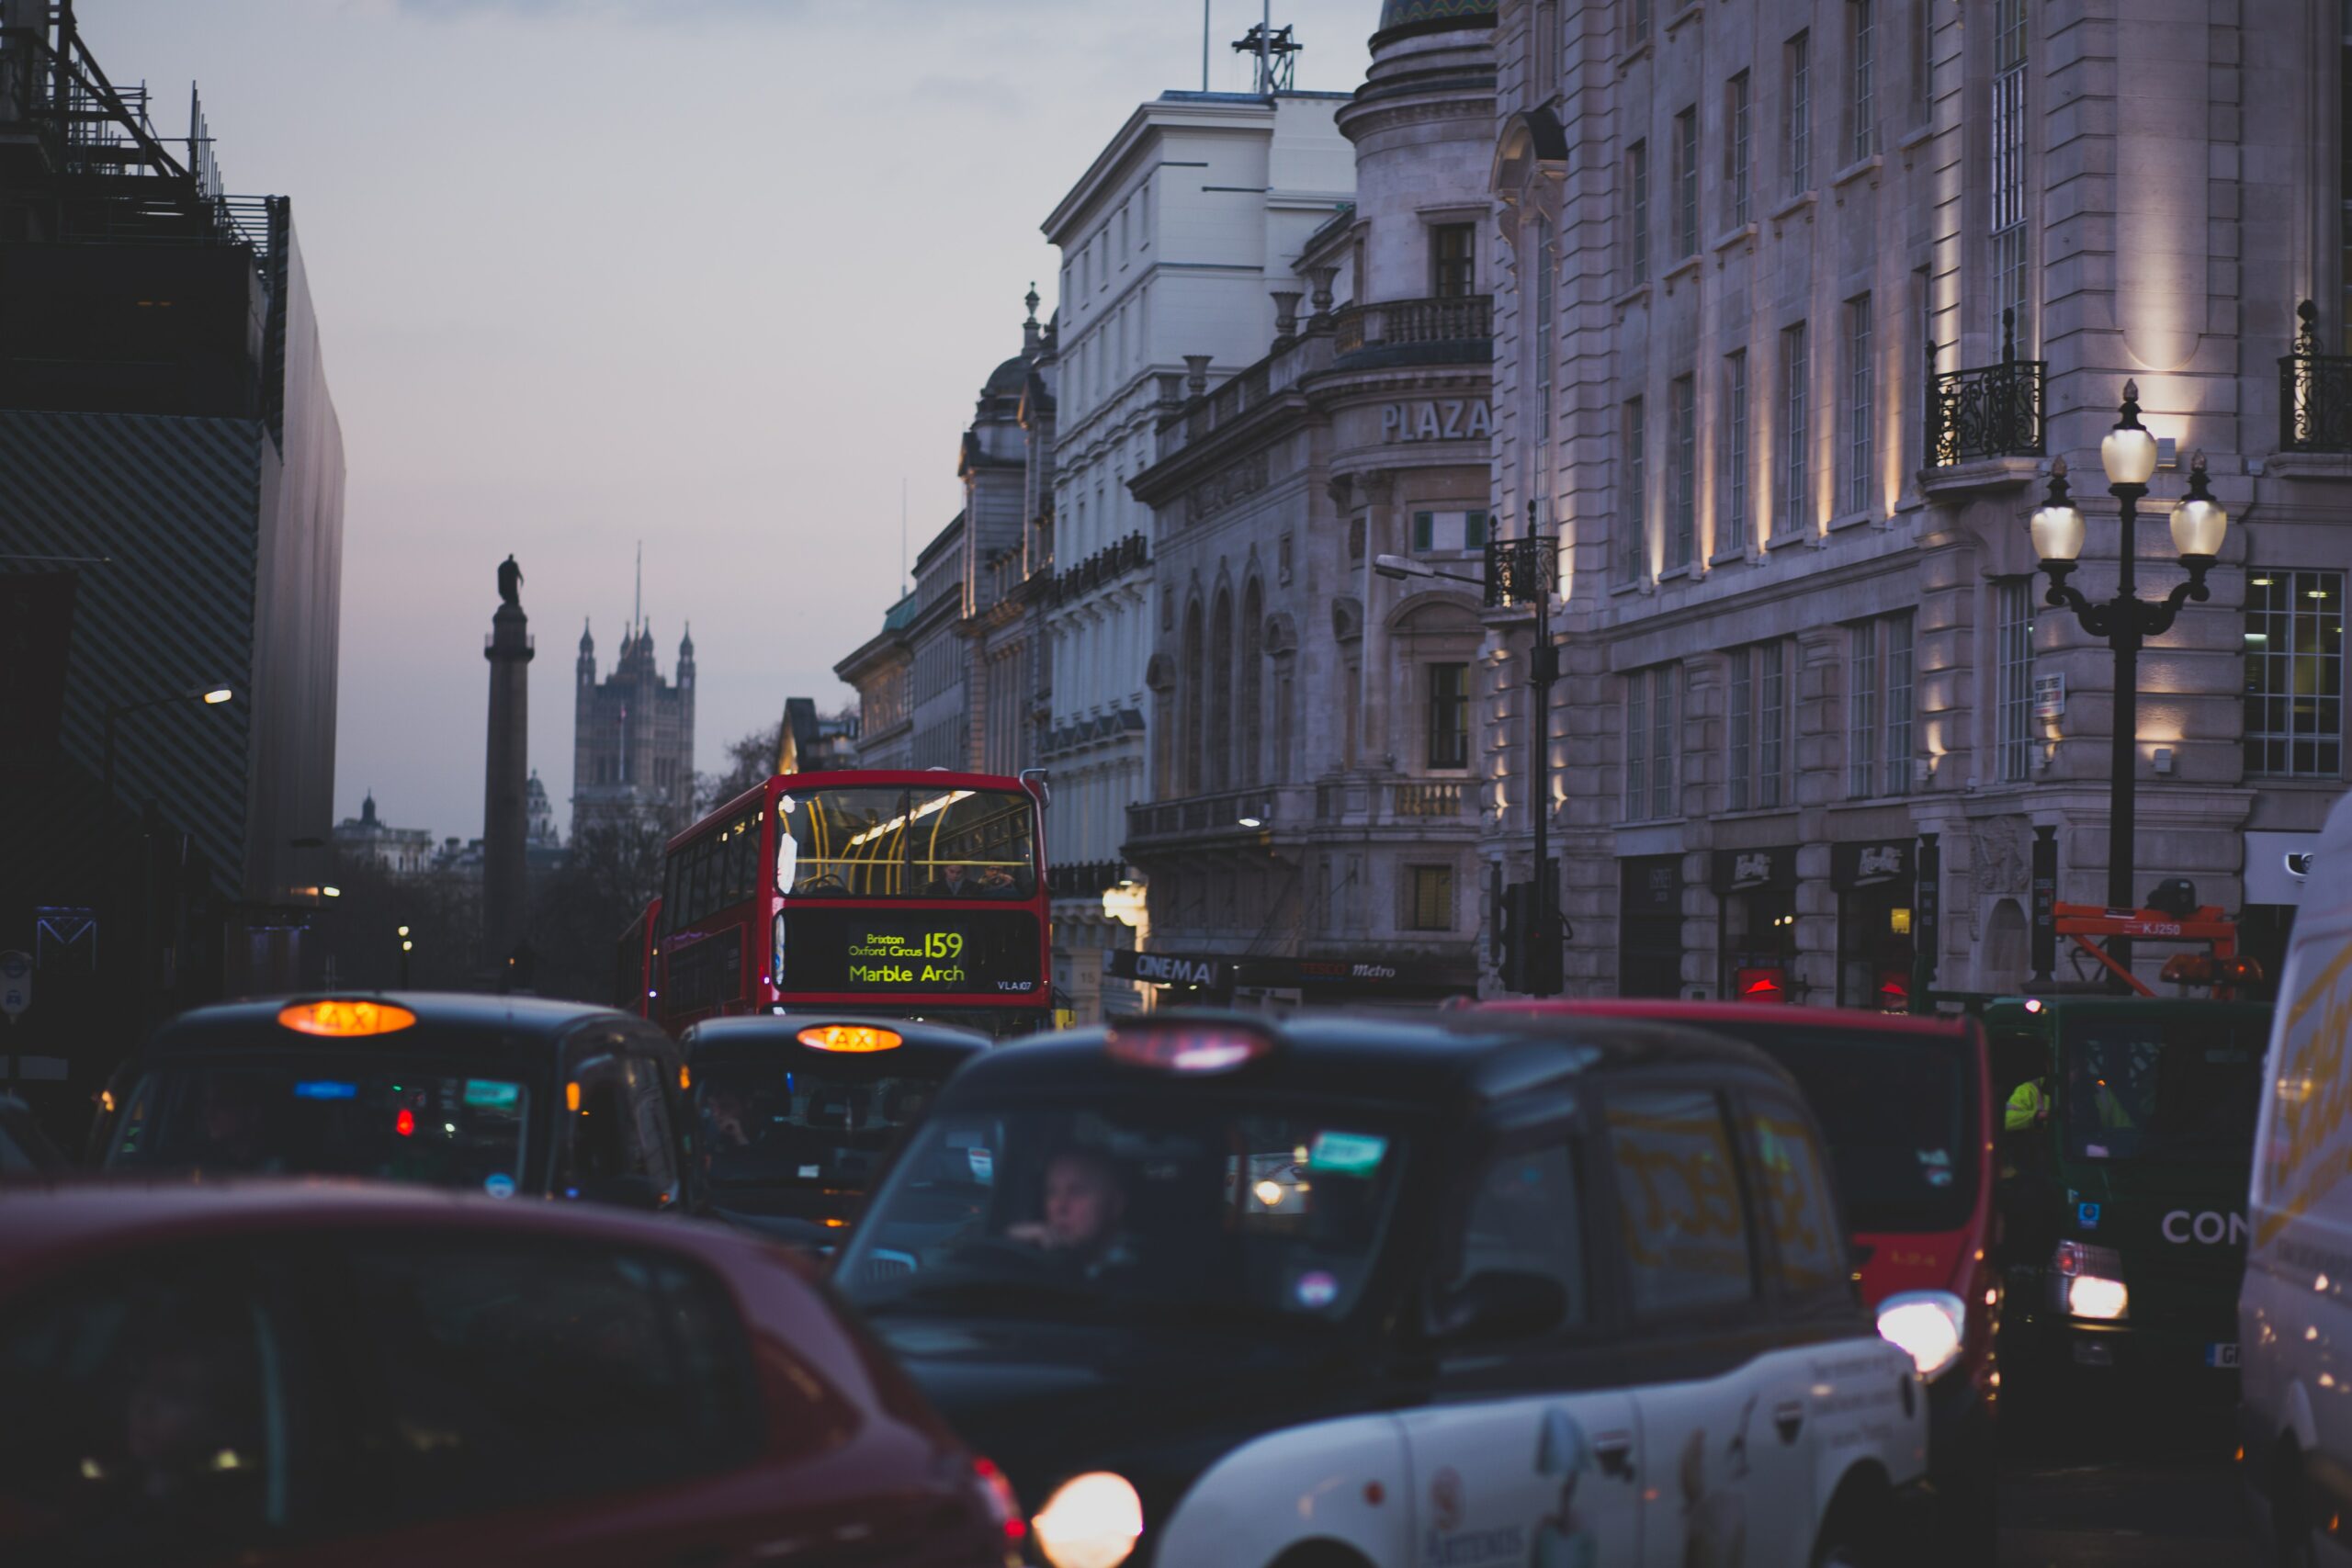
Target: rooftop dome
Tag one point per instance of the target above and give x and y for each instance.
(1008, 377)
(1420, 15)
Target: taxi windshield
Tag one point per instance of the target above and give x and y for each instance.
(905, 842)
(809, 1121)
(1897, 1113)
(2179, 1085)
(1136, 1202)
(428, 1123)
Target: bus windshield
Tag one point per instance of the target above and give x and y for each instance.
(905, 842)
(2180, 1085)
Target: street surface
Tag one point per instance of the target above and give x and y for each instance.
(2144, 1488)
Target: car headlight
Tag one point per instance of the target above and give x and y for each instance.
(2090, 1280)
(1090, 1521)
(1930, 1325)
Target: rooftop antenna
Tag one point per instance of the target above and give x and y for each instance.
(1277, 70)
(637, 617)
(904, 587)
(1204, 45)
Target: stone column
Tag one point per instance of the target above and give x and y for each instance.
(504, 819)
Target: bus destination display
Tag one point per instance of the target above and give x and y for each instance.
(918, 951)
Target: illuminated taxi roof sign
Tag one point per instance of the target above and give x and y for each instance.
(849, 1038)
(1187, 1047)
(344, 1020)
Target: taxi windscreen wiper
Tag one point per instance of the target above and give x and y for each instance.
(988, 1293)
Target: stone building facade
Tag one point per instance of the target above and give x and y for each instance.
(1171, 241)
(1313, 825)
(632, 734)
(1798, 300)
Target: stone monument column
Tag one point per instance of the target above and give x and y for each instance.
(504, 814)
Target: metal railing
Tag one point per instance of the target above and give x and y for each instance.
(1237, 811)
(1994, 410)
(2314, 392)
(1466, 318)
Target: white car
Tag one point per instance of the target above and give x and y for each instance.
(1340, 1292)
(2294, 1322)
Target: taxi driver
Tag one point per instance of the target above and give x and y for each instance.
(1084, 1203)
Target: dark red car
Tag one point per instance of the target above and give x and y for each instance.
(282, 1372)
(1905, 1106)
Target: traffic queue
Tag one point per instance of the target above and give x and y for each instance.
(487, 1279)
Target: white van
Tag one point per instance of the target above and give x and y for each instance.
(2294, 1316)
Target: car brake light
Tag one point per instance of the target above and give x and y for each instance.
(998, 1497)
(1186, 1048)
(849, 1038)
(344, 1020)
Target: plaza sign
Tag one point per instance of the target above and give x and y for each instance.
(1443, 419)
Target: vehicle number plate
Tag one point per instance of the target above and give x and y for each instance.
(2222, 1353)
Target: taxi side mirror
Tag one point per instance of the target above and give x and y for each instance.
(1501, 1304)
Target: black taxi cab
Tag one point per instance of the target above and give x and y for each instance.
(512, 1096)
(797, 1113)
(1219, 1288)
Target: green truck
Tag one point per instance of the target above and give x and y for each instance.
(2127, 1142)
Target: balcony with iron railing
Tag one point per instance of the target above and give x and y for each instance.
(1227, 813)
(2314, 392)
(1460, 327)
(1989, 412)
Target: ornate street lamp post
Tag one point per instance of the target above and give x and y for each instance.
(2199, 524)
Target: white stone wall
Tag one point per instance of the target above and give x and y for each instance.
(2178, 202)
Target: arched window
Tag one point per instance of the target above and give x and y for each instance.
(1188, 767)
(1221, 694)
(1253, 660)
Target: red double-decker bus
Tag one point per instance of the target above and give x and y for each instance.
(903, 895)
(633, 969)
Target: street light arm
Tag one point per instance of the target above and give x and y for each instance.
(2156, 619)
(2067, 596)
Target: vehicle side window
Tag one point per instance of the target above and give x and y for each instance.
(520, 1373)
(1793, 1181)
(1684, 1225)
(148, 1416)
(1526, 1216)
(601, 1141)
(650, 1122)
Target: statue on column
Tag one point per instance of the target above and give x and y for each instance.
(509, 582)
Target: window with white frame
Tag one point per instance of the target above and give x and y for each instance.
(1686, 469)
(1731, 532)
(1637, 23)
(1796, 116)
(2013, 699)
(2294, 673)
(1796, 487)
(1739, 153)
(1685, 183)
(1862, 97)
(2010, 154)
(1650, 751)
(1757, 727)
(1862, 405)
(1878, 706)
(1633, 556)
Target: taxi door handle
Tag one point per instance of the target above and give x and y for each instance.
(1788, 1419)
(1615, 1453)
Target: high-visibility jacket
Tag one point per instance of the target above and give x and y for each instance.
(2029, 1102)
